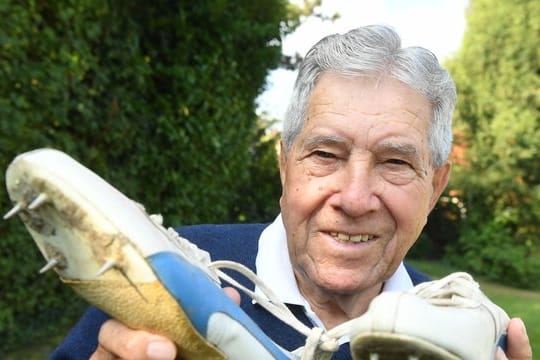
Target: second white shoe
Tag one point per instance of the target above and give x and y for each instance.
(447, 319)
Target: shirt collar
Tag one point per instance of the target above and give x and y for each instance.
(274, 266)
(275, 270)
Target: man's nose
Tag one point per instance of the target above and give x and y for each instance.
(358, 191)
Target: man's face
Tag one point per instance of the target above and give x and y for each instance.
(357, 183)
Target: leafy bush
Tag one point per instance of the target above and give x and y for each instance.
(155, 96)
(497, 75)
(490, 251)
(442, 228)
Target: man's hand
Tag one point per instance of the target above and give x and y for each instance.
(117, 341)
(518, 345)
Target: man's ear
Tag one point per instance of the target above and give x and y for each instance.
(441, 176)
(282, 161)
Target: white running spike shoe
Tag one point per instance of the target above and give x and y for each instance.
(447, 319)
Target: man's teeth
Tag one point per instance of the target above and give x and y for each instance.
(352, 238)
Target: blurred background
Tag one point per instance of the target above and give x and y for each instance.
(179, 105)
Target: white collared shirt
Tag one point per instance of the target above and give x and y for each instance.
(275, 270)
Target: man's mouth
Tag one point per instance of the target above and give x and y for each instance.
(351, 238)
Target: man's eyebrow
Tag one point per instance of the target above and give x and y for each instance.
(408, 150)
(327, 140)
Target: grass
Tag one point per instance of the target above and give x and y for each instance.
(516, 302)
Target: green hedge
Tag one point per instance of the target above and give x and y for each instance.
(489, 249)
(155, 96)
(497, 74)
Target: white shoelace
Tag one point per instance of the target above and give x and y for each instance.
(319, 345)
(456, 290)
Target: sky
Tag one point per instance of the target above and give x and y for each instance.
(437, 25)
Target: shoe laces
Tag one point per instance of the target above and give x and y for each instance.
(460, 290)
(319, 345)
(456, 290)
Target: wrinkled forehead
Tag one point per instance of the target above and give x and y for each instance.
(369, 96)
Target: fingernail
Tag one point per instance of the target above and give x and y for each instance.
(523, 328)
(161, 350)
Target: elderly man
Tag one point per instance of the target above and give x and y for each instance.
(364, 159)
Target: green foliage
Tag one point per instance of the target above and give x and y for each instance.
(258, 198)
(497, 73)
(441, 230)
(155, 96)
(488, 249)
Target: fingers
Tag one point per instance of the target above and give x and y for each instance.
(518, 345)
(116, 341)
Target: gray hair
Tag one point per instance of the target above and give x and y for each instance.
(375, 50)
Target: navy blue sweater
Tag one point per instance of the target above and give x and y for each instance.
(238, 242)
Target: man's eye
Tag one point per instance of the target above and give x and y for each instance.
(324, 154)
(398, 171)
(398, 162)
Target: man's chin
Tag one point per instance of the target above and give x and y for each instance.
(339, 287)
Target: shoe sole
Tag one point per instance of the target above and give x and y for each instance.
(391, 346)
(105, 247)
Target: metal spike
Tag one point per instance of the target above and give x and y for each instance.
(109, 264)
(52, 263)
(14, 210)
(38, 201)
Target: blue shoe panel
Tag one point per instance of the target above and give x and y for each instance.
(200, 297)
